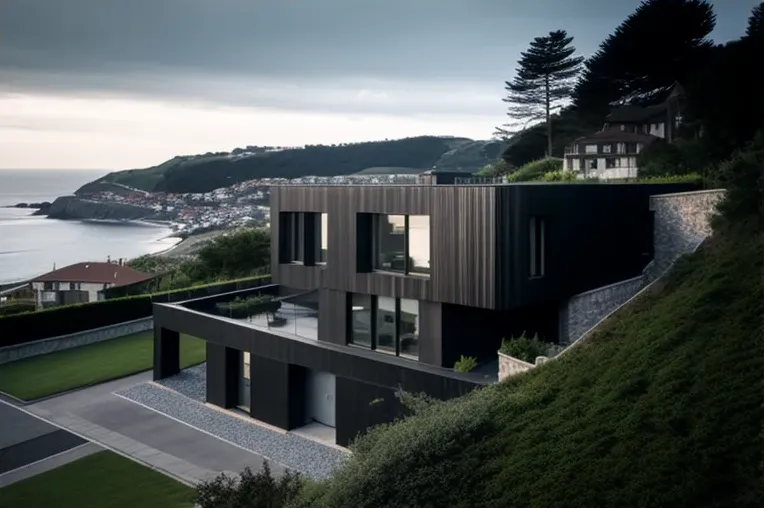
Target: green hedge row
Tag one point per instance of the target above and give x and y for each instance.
(66, 319)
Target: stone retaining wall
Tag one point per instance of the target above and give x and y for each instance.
(681, 223)
(584, 310)
(44, 346)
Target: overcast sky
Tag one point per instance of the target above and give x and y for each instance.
(117, 84)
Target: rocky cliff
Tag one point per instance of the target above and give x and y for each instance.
(74, 208)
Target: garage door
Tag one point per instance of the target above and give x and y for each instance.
(320, 397)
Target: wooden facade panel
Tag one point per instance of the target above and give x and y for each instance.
(462, 240)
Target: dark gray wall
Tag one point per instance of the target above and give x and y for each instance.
(222, 375)
(363, 406)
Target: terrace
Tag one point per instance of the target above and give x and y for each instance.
(291, 316)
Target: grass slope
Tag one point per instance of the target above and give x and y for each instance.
(40, 376)
(101, 480)
(662, 407)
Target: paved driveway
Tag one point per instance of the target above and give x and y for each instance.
(161, 442)
(29, 446)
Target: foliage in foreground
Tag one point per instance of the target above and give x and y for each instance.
(250, 490)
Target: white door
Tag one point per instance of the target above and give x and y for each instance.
(319, 397)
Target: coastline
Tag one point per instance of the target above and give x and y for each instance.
(189, 245)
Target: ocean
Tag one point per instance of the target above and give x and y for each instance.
(32, 245)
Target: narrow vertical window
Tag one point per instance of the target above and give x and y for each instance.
(323, 238)
(537, 246)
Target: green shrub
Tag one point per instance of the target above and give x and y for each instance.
(523, 348)
(686, 178)
(17, 308)
(558, 176)
(465, 364)
(252, 490)
(536, 169)
(680, 158)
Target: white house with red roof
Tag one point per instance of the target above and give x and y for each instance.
(83, 282)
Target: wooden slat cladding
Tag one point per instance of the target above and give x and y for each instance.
(462, 240)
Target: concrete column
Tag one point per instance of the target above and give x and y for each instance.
(166, 353)
(223, 374)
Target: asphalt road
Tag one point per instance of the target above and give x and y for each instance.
(25, 439)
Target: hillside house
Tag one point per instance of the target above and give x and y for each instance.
(83, 282)
(612, 152)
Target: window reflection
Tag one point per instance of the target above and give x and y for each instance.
(386, 326)
(390, 246)
(360, 319)
(419, 244)
(322, 242)
(409, 328)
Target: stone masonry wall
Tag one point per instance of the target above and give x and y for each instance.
(681, 223)
(44, 346)
(585, 310)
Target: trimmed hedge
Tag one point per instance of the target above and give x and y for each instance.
(66, 319)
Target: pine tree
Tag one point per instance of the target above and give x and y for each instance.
(660, 43)
(756, 22)
(543, 82)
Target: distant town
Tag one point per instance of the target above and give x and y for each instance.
(243, 203)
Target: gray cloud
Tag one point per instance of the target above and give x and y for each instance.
(353, 56)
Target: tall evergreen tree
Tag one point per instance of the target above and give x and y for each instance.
(662, 42)
(756, 22)
(544, 80)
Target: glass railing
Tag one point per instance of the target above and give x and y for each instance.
(292, 316)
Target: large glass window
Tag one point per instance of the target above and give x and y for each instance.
(409, 328)
(390, 243)
(388, 325)
(402, 243)
(296, 228)
(418, 234)
(360, 320)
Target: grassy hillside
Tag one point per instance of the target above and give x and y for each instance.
(206, 172)
(662, 407)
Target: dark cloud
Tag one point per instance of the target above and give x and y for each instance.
(294, 53)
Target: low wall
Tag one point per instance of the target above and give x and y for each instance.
(509, 366)
(44, 346)
(584, 310)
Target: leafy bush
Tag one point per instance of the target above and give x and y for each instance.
(523, 348)
(686, 178)
(666, 159)
(743, 177)
(498, 168)
(252, 490)
(17, 308)
(558, 176)
(536, 169)
(465, 364)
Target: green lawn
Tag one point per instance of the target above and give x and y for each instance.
(44, 375)
(101, 480)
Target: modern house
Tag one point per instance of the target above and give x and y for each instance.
(612, 152)
(83, 282)
(376, 288)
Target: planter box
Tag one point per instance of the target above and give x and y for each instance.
(509, 365)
